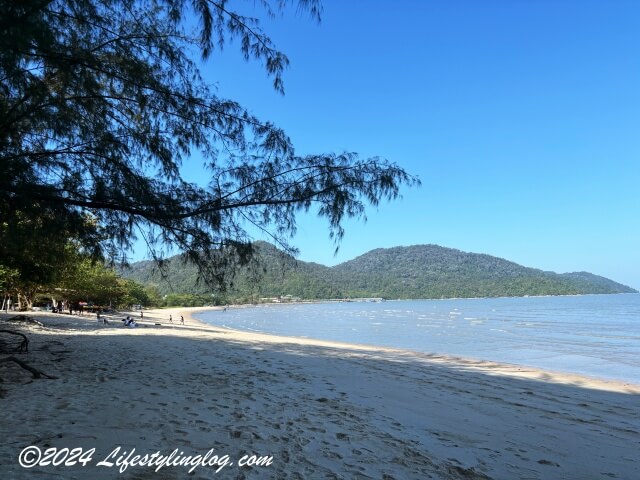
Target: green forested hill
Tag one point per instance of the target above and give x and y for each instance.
(420, 271)
(431, 271)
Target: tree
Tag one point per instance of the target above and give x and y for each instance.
(31, 251)
(84, 279)
(101, 102)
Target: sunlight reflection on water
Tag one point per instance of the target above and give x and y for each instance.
(597, 335)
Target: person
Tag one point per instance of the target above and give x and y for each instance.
(98, 316)
(141, 315)
(170, 318)
(181, 319)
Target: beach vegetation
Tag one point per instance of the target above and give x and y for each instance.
(71, 275)
(103, 102)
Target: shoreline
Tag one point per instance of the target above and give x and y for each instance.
(320, 409)
(514, 370)
(160, 317)
(512, 366)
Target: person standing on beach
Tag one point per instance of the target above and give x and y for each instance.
(170, 318)
(181, 319)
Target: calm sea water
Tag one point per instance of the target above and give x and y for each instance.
(596, 335)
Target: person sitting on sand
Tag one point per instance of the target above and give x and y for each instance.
(130, 322)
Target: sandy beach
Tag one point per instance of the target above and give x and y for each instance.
(136, 402)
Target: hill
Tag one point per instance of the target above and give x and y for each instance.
(419, 271)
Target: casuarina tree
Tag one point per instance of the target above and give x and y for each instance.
(101, 101)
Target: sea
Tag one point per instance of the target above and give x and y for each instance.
(594, 335)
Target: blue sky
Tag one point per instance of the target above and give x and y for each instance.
(521, 118)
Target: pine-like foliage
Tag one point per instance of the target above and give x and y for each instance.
(100, 103)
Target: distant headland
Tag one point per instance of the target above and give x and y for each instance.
(414, 272)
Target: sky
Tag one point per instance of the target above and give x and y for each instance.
(520, 117)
